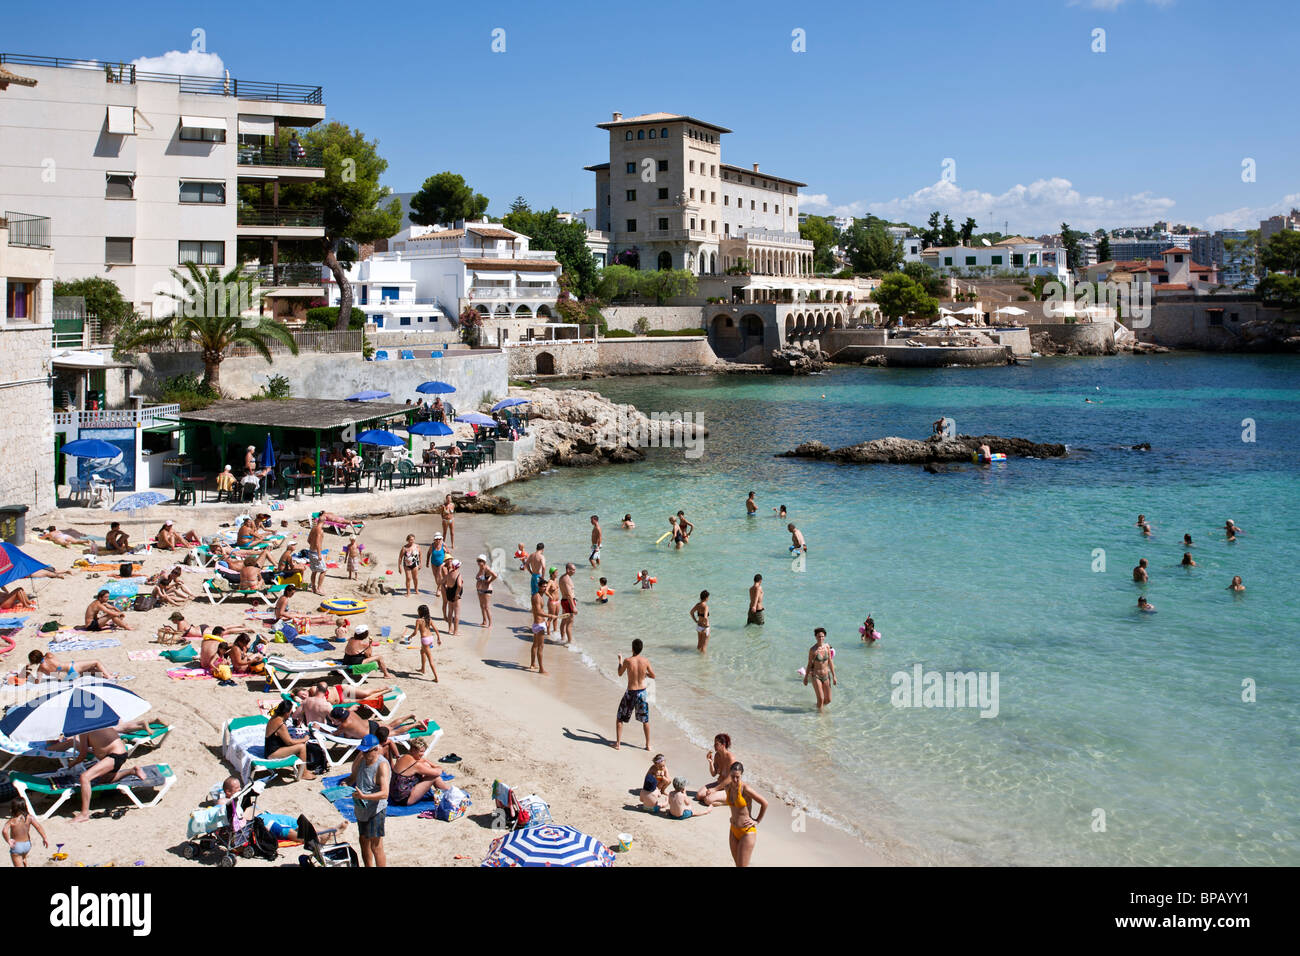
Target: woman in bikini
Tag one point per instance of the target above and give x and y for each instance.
(178, 630)
(719, 759)
(51, 668)
(744, 825)
(409, 559)
(453, 588)
(483, 582)
(552, 589)
(448, 512)
(243, 662)
(427, 632)
(820, 668)
(280, 743)
(413, 777)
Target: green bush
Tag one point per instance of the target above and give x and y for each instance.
(641, 326)
(619, 334)
(661, 332)
(276, 387)
(188, 391)
(323, 319)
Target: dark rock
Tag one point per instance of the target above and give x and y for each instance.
(908, 451)
(796, 361)
(483, 503)
(1142, 446)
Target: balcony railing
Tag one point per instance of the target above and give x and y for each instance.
(289, 274)
(780, 238)
(307, 217)
(119, 72)
(114, 417)
(27, 230)
(517, 292)
(307, 157)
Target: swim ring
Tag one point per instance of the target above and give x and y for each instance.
(343, 606)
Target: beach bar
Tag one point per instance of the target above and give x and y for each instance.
(300, 428)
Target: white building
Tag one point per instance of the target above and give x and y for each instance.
(430, 275)
(909, 241)
(139, 171)
(1014, 254)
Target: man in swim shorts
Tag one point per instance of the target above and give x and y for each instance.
(797, 542)
(315, 545)
(751, 508)
(541, 615)
(700, 615)
(634, 699)
(535, 565)
(568, 601)
(597, 537)
(756, 602)
(1140, 572)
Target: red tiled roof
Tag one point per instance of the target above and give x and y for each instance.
(1176, 249)
(1170, 287)
(512, 265)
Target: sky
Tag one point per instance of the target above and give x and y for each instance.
(1102, 113)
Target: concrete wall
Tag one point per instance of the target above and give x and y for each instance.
(26, 418)
(1185, 324)
(672, 318)
(625, 356)
(338, 375)
(1093, 337)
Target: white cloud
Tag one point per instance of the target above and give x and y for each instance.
(186, 63)
(1247, 217)
(1037, 208)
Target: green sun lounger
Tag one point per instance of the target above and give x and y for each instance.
(64, 784)
(392, 700)
(339, 750)
(218, 590)
(242, 744)
(153, 736)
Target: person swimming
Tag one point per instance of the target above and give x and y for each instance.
(780, 512)
(1187, 560)
(1187, 541)
(628, 523)
(604, 592)
(1145, 606)
(751, 508)
(1236, 584)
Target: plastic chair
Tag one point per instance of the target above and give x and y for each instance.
(407, 354)
(381, 356)
(183, 492)
(290, 482)
(435, 355)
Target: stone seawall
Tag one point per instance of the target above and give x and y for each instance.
(908, 356)
(610, 356)
(665, 318)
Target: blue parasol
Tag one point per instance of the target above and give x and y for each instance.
(435, 388)
(377, 436)
(474, 418)
(268, 453)
(549, 844)
(16, 564)
(510, 403)
(367, 396)
(91, 448)
(430, 428)
(141, 499)
(73, 709)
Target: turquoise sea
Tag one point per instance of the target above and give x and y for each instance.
(1106, 717)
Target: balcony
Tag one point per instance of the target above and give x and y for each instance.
(282, 222)
(517, 292)
(119, 72)
(282, 157)
(292, 274)
(792, 239)
(28, 231)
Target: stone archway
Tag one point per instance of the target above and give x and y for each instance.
(543, 311)
(724, 336)
(665, 261)
(523, 312)
(751, 331)
(545, 363)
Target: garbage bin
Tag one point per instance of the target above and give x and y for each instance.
(13, 524)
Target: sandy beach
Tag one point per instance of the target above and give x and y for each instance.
(550, 735)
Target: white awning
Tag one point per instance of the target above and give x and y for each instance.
(203, 122)
(537, 277)
(121, 120)
(495, 276)
(256, 125)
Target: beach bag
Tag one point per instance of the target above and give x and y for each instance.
(144, 602)
(49, 626)
(316, 762)
(222, 672)
(264, 844)
(453, 805)
(125, 570)
(180, 655)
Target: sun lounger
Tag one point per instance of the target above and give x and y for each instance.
(243, 746)
(12, 750)
(64, 783)
(153, 736)
(391, 701)
(218, 590)
(340, 749)
(285, 674)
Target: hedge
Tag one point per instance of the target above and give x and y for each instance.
(324, 318)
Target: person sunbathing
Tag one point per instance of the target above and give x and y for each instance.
(15, 599)
(413, 777)
(289, 563)
(180, 629)
(107, 746)
(62, 538)
(360, 649)
(315, 703)
(51, 668)
(280, 743)
(346, 722)
(280, 825)
(117, 541)
(243, 662)
(168, 539)
(281, 611)
(101, 615)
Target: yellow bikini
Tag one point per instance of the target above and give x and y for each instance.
(741, 802)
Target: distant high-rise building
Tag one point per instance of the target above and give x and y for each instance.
(1274, 224)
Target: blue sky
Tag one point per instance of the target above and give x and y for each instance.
(1038, 126)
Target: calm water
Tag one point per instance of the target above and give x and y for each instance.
(1100, 708)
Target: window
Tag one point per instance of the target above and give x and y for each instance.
(692, 193)
(121, 120)
(1215, 316)
(789, 211)
(631, 225)
(663, 223)
(947, 260)
(627, 135)
(640, 134)
(202, 134)
(970, 260)
(404, 320)
(365, 295)
(726, 200)
(119, 186)
(663, 165)
(692, 166)
(663, 192)
(631, 167)
(663, 133)
(726, 228)
(713, 225)
(117, 251)
(21, 299)
(996, 260)
(713, 170)
(713, 197)
(751, 205)
(652, 134)
(692, 222)
(197, 192)
(764, 207)
(751, 180)
(1033, 258)
(205, 253)
(1017, 259)
(631, 195)
(390, 292)
(1232, 317)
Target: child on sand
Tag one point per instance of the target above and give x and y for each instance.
(17, 832)
(352, 552)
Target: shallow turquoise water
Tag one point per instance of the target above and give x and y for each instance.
(1100, 708)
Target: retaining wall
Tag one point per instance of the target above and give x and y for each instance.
(611, 356)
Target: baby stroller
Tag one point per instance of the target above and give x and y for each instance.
(221, 829)
(324, 852)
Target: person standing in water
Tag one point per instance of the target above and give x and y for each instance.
(700, 615)
(751, 507)
(820, 669)
(597, 537)
(448, 512)
(797, 542)
(568, 602)
(1236, 584)
(1140, 572)
(755, 602)
(535, 565)
(637, 668)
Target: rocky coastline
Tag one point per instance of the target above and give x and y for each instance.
(933, 450)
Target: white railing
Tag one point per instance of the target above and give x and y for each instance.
(114, 417)
(780, 238)
(518, 292)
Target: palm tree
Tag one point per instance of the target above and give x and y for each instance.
(209, 311)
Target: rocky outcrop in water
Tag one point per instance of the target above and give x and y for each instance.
(792, 360)
(483, 502)
(576, 428)
(934, 450)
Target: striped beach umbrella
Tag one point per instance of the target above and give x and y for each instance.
(549, 844)
(73, 709)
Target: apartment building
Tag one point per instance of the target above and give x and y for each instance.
(1014, 254)
(667, 197)
(1274, 224)
(140, 172)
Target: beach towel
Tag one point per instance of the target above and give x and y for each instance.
(105, 567)
(189, 673)
(311, 645)
(84, 645)
(8, 622)
(149, 655)
(343, 801)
